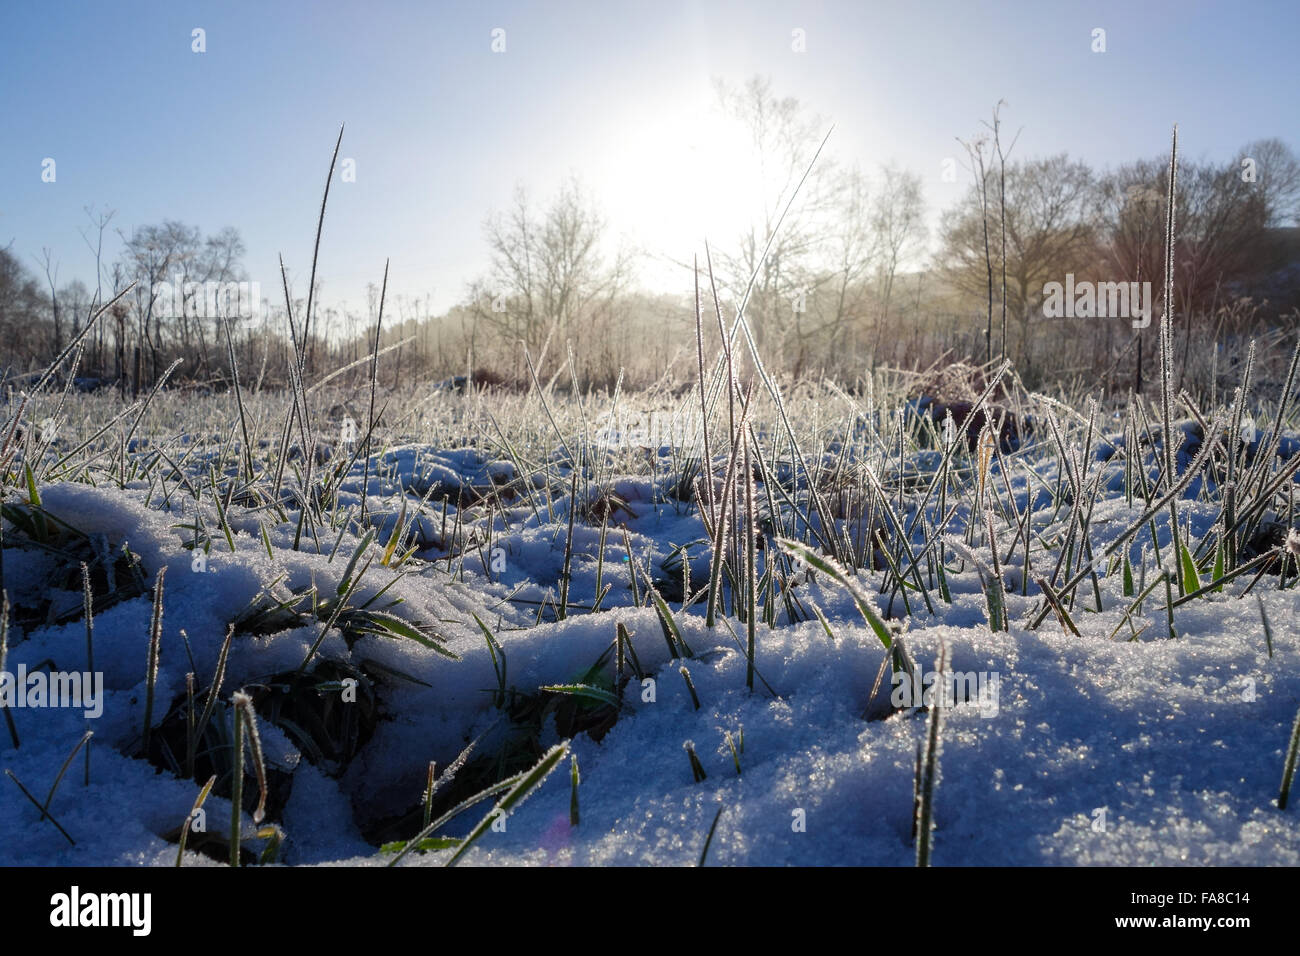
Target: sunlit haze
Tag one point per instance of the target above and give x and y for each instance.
(442, 130)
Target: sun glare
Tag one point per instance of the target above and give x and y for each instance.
(675, 178)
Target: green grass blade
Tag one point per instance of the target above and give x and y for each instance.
(517, 794)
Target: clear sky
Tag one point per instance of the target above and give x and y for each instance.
(442, 129)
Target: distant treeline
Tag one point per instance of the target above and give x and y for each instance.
(845, 286)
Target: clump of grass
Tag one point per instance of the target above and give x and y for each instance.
(276, 610)
(49, 798)
(516, 790)
(113, 575)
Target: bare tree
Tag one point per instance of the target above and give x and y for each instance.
(151, 255)
(851, 253)
(76, 302)
(784, 137)
(99, 222)
(1224, 220)
(1277, 173)
(1051, 213)
(178, 254)
(22, 336)
(549, 274)
(51, 270)
(898, 228)
(218, 260)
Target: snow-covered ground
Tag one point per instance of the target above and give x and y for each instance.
(1070, 750)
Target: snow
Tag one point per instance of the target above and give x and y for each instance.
(1100, 752)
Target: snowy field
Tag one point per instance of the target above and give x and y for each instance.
(505, 587)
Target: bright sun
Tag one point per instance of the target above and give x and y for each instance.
(680, 176)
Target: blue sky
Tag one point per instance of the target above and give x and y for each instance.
(442, 129)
